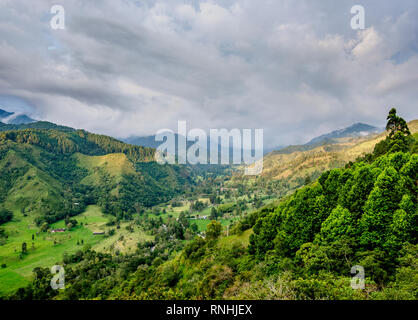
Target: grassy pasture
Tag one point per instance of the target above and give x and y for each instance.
(48, 248)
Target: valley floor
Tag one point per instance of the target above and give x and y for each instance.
(48, 249)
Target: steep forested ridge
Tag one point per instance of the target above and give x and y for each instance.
(69, 142)
(45, 125)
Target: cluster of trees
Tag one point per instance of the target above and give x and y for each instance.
(58, 211)
(169, 230)
(152, 185)
(214, 199)
(399, 139)
(5, 215)
(70, 223)
(97, 275)
(42, 125)
(198, 205)
(373, 203)
(3, 236)
(111, 145)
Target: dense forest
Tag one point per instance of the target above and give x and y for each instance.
(305, 247)
(44, 125)
(69, 142)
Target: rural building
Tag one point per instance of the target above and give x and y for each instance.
(57, 230)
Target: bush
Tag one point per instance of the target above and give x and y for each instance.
(213, 230)
(5, 215)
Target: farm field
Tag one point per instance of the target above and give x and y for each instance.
(198, 216)
(202, 224)
(47, 249)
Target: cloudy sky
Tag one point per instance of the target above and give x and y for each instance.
(295, 68)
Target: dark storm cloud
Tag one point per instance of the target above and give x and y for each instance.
(294, 68)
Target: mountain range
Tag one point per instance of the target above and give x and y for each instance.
(355, 130)
(295, 164)
(292, 164)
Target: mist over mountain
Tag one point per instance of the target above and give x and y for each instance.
(4, 114)
(355, 130)
(15, 121)
(14, 118)
(150, 142)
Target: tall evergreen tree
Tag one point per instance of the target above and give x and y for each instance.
(396, 124)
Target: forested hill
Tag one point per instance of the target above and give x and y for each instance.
(45, 125)
(54, 172)
(69, 141)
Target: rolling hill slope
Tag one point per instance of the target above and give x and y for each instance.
(294, 164)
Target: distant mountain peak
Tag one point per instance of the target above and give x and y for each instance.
(355, 130)
(14, 118)
(4, 114)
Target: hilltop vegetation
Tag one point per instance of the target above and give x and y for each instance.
(68, 142)
(43, 125)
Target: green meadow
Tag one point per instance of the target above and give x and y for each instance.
(201, 223)
(47, 249)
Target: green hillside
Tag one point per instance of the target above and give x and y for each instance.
(50, 177)
(304, 246)
(50, 174)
